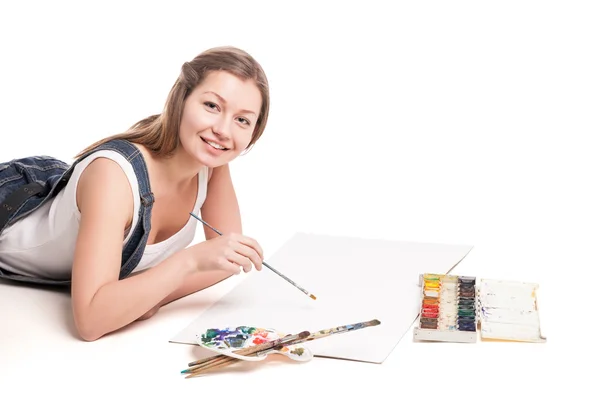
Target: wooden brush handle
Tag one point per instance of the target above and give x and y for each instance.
(207, 368)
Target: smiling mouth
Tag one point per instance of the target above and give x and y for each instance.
(214, 145)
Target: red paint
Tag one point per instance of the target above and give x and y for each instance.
(429, 314)
(260, 338)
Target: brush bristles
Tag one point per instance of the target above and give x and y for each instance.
(312, 296)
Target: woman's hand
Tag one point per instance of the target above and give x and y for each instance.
(227, 253)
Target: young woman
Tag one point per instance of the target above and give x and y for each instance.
(116, 226)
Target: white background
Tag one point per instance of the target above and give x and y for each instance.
(466, 122)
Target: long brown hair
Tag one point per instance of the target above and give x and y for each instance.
(160, 133)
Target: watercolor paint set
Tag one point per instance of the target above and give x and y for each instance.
(460, 309)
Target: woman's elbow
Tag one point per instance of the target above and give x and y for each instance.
(88, 333)
(87, 327)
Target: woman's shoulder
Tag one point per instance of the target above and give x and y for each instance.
(109, 171)
(106, 173)
(109, 162)
(104, 183)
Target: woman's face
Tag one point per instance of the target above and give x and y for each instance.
(219, 118)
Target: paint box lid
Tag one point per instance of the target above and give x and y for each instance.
(508, 310)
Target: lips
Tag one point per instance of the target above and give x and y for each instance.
(214, 144)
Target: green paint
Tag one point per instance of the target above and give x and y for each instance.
(466, 313)
(298, 351)
(247, 329)
(210, 335)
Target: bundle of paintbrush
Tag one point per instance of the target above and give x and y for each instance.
(200, 367)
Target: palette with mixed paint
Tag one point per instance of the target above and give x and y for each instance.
(229, 340)
(455, 308)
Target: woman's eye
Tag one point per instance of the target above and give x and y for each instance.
(210, 105)
(244, 121)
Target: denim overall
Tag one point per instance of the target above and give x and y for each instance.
(28, 183)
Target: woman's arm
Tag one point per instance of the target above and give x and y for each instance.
(101, 302)
(220, 210)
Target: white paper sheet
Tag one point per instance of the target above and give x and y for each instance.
(354, 280)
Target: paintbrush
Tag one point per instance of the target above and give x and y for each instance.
(249, 351)
(312, 296)
(327, 332)
(313, 336)
(224, 360)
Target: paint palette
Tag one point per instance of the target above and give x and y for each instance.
(229, 340)
(454, 307)
(509, 311)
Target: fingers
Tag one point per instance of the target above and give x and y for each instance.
(248, 241)
(241, 261)
(249, 249)
(250, 254)
(229, 266)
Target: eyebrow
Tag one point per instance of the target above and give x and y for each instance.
(225, 101)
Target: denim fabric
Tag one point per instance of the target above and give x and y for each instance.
(37, 179)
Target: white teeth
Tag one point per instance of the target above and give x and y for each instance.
(215, 145)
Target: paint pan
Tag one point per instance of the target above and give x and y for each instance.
(456, 308)
(448, 310)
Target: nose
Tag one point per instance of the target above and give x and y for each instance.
(222, 128)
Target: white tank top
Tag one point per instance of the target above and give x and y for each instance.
(43, 243)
